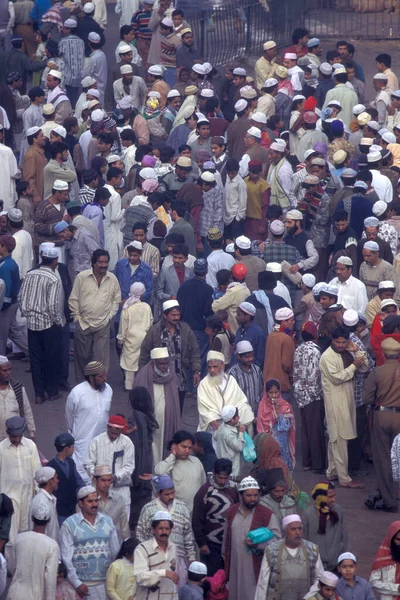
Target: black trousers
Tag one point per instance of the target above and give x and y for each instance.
(313, 446)
(45, 354)
(355, 447)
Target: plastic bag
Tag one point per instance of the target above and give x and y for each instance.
(260, 535)
(249, 451)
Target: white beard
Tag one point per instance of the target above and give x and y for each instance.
(161, 373)
(216, 380)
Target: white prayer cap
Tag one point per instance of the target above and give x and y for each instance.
(339, 69)
(259, 117)
(282, 314)
(239, 71)
(207, 68)
(389, 137)
(371, 221)
(55, 73)
(326, 68)
(243, 242)
(3, 360)
(329, 579)
(88, 81)
(373, 156)
(93, 92)
(60, 130)
(45, 245)
(124, 49)
(44, 474)
(214, 355)
(70, 23)
(381, 76)
(350, 317)
(151, 2)
(94, 37)
(248, 92)
(374, 125)
(383, 131)
(248, 308)
(308, 279)
(50, 253)
(111, 159)
(346, 556)
(379, 208)
(371, 246)
(32, 130)
(60, 185)
(270, 82)
(97, 115)
(318, 287)
(85, 491)
(345, 260)
(274, 267)
(207, 177)
(156, 70)
(248, 483)
(198, 69)
(125, 69)
(198, 568)
(386, 285)
(243, 347)
(92, 104)
(298, 97)
(376, 148)
(227, 413)
(100, 470)
(162, 515)
(147, 173)
(387, 302)
(88, 7)
(255, 132)
(15, 215)
(125, 103)
(41, 510)
(135, 244)
(269, 45)
(278, 147)
(240, 105)
(358, 109)
(230, 248)
(168, 304)
(290, 56)
(290, 519)
(157, 353)
(48, 109)
(173, 94)
(154, 94)
(167, 22)
(207, 93)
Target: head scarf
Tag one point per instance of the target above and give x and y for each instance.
(322, 148)
(319, 494)
(151, 108)
(150, 185)
(383, 557)
(269, 455)
(395, 150)
(136, 291)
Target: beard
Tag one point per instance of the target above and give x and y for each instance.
(216, 380)
(161, 373)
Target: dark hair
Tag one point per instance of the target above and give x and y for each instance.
(395, 206)
(373, 112)
(89, 175)
(180, 436)
(272, 383)
(166, 153)
(52, 48)
(124, 30)
(340, 332)
(128, 134)
(341, 43)
(223, 465)
(340, 215)
(159, 229)
(36, 92)
(113, 172)
(243, 251)
(195, 576)
(184, 147)
(385, 59)
(155, 523)
(179, 208)
(273, 120)
(32, 137)
(331, 54)
(57, 148)
(214, 323)
(177, 13)
(181, 249)
(131, 248)
(274, 212)
(102, 193)
(70, 122)
(307, 336)
(350, 49)
(46, 261)
(211, 104)
(341, 77)
(21, 187)
(106, 138)
(98, 253)
(140, 399)
(364, 175)
(40, 522)
(139, 225)
(299, 33)
(62, 569)
(143, 150)
(223, 276)
(74, 209)
(127, 547)
(156, 198)
(175, 238)
(232, 165)
(266, 280)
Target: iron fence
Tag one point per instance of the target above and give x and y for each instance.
(232, 30)
(357, 19)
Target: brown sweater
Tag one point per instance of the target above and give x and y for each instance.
(279, 354)
(33, 169)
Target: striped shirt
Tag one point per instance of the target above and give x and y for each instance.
(86, 195)
(40, 299)
(250, 382)
(72, 51)
(140, 24)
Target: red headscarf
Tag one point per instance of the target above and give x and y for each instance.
(383, 557)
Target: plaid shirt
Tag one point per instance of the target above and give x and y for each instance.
(213, 210)
(360, 378)
(279, 251)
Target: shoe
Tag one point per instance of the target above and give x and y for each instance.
(318, 471)
(65, 387)
(388, 509)
(56, 397)
(16, 355)
(352, 485)
(39, 399)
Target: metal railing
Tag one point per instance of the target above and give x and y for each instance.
(232, 30)
(357, 19)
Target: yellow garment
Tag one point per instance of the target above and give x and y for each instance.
(134, 324)
(120, 583)
(254, 192)
(395, 150)
(264, 69)
(162, 216)
(94, 305)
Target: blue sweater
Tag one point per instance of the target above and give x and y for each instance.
(9, 273)
(257, 338)
(143, 274)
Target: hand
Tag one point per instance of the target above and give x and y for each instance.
(52, 65)
(173, 449)
(196, 379)
(204, 549)
(249, 543)
(82, 590)
(146, 477)
(66, 217)
(215, 424)
(172, 576)
(294, 269)
(330, 260)
(36, 200)
(241, 428)
(261, 246)
(359, 361)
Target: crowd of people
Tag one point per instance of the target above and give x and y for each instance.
(233, 241)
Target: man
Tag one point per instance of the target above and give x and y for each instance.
(16, 61)
(374, 269)
(36, 559)
(57, 96)
(56, 170)
(383, 64)
(184, 355)
(382, 394)
(382, 98)
(343, 94)
(352, 292)
(273, 486)
(250, 332)
(87, 412)
(386, 290)
(115, 450)
(247, 374)
(195, 299)
(295, 236)
(87, 570)
(325, 83)
(47, 480)
(236, 293)
(40, 303)
(110, 503)
(209, 395)
(19, 461)
(13, 400)
(171, 278)
(253, 152)
(150, 254)
(132, 269)
(187, 53)
(94, 301)
(96, 66)
(182, 535)
(129, 85)
(265, 66)
(237, 130)
(180, 225)
(290, 567)
(295, 73)
(140, 25)
(381, 183)
(72, 51)
(50, 211)
(160, 378)
(266, 301)
(279, 351)
(242, 568)
(254, 264)
(373, 234)
(86, 25)
(155, 561)
(9, 172)
(314, 51)
(312, 135)
(23, 252)
(266, 102)
(34, 162)
(338, 368)
(82, 245)
(113, 215)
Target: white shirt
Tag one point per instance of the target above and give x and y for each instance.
(352, 293)
(119, 455)
(23, 252)
(282, 291)
(217, 260)
(43, 498)
(382, 185)
(8, 173)
(235, 199)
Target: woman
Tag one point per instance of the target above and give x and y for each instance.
(136, 319)
(99, 164)
(385, 572)
(296, 129)
(275, 416)
(152, 115)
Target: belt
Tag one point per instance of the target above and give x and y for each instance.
(394, 409)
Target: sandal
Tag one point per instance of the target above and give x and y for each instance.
(352, 485)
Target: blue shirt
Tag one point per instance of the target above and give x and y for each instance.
(361, 590)
(257, 338)
(143, 274)
(9, 273)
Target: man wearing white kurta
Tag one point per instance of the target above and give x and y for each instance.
(113, 213)
(352, 291)
(338, 368)
(9, 172)
(217, 390)
(115, 450)
(47, 480)
(87, 411)
(19, 461)
(23, 252)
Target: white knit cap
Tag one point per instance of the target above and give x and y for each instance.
(248, 483)
(227, 413)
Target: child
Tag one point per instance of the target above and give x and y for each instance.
(219, 338)
(40, 54)
(229, 437)
(64, 590)
(120, 584)
(197, 573)
(326, 587)
(223, 277)
(235, 201)
(307, 301)
(347, 567)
